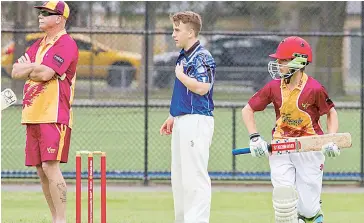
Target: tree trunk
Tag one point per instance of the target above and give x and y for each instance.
(311, 13)
(263, 15)
(329, 49)
(151, 21)
(257, 20)
(289, 15)
(73, 19)
(120, 15)
(210, 16)
(19, 40)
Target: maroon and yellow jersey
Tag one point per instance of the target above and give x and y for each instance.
(50, 101)
(298, 111)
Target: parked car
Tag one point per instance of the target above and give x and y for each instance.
(240, 60)
(117, 67)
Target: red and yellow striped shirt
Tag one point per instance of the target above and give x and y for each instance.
(50, 101)
(298, 111)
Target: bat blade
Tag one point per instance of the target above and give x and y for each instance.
(315, 143)
(303, 144)
(8, 98)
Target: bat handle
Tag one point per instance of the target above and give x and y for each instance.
(270, 148)
(240, 151)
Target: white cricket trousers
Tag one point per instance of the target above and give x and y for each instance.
(191, 184)
(304, 171)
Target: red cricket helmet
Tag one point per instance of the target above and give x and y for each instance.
(291, 45)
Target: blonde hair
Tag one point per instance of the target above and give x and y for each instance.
(193, 18)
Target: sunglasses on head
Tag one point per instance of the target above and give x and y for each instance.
(46, 13)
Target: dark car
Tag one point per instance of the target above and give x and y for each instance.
(239, 60)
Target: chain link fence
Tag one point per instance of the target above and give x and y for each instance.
(120, 105)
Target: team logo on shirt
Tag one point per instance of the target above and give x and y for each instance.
(31, 91)
(305, 105)
(51, 150)
(57, 60)
(286, 118)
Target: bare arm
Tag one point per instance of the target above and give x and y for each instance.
(42, 73)
(193, 85)
(21, 71)
(248, 118)
(332, 121)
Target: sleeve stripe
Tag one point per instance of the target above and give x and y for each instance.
(208, 70)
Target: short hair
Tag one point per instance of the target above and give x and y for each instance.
(193, 18)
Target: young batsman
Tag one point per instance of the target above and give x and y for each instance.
(49, 68)
(299, 100)
(191, 122)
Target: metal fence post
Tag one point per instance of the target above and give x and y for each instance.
(91, 93)
(362, 99)
(234, 138)
(146, 88)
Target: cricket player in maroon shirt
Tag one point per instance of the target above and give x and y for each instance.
(49, 68)
(299, 100)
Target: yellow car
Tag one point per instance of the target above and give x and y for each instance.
(118, 68)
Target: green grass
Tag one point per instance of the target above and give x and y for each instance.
(120, 133)
(153, 207)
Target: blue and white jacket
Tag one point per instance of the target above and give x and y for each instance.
(198, 64)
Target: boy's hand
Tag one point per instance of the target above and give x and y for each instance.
(330, 150)
(258, 146)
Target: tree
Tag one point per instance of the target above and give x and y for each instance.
(19, 38)
(210, 16)
(74, 20)
(289, 16)
(263, 15)
(329, 49)
(127, 9)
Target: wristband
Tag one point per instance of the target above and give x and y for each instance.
(251, 136)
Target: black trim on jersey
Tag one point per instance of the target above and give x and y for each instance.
(208, 70)
(190, 50)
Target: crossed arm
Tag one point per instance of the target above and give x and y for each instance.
(25, 69)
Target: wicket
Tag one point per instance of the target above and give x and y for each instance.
(90, 185)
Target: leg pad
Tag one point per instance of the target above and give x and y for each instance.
(285, 201)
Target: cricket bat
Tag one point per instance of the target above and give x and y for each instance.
(303, 144)
(8, 98)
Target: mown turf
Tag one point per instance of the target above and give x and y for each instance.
(150, 207)
(120, 133)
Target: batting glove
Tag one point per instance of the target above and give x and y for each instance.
(258, 147)
(330, 150)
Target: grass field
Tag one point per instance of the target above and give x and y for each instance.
(157, 207)
(120, 133)
(98, 89)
